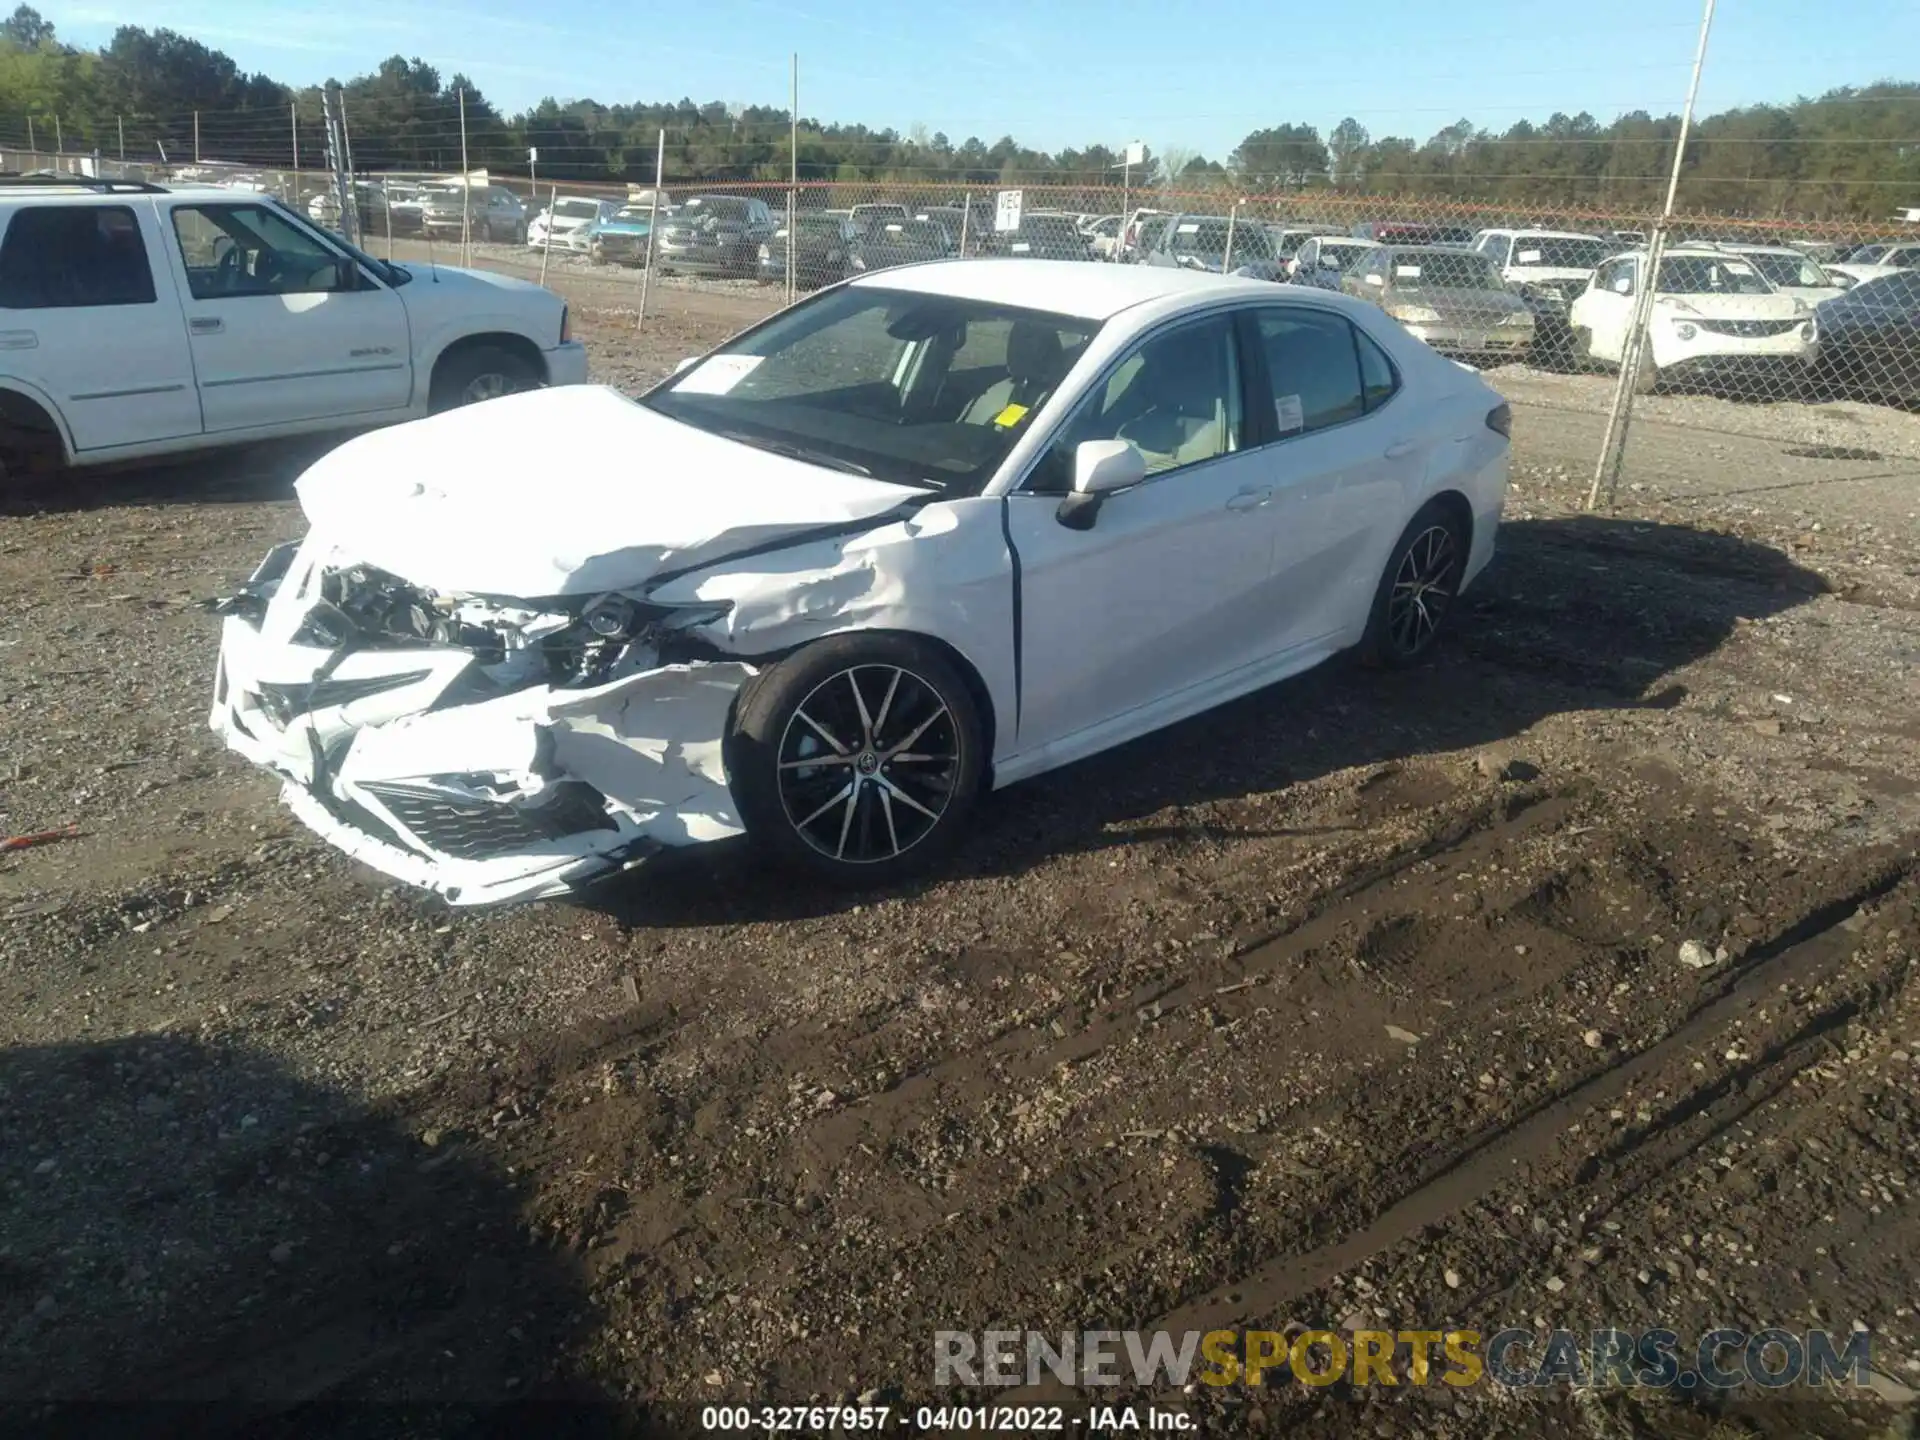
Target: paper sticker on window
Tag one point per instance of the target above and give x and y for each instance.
(1407, 272)
(1189, 227)
(717, 375)
(1021, 247)
(1528, 257)
(1010, 417)
(1288, 414)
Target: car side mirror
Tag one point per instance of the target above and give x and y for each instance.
(346, 273)
(1100, 467)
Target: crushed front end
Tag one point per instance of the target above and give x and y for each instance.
(488, 748)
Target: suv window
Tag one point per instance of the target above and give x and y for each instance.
(1314, 365)
(1613, 275)
(1176, 398)
(237, 250)
(67, 256)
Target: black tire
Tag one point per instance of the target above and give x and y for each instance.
(480, 372)
(1431, 554)
(802, 725)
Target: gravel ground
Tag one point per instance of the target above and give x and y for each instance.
(1361, 997)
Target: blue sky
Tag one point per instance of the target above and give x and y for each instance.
(1070, 72)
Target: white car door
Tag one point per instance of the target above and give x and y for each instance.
(1606, 310)
(1341, 458)
(1165, 590)
(82, 320)
(284, 328)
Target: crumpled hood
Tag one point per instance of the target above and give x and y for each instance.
(572, 490)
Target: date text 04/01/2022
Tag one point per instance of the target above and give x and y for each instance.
(957, 1419)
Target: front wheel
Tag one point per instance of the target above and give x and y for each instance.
(1422, 578)
(482, 372)
(857, 758)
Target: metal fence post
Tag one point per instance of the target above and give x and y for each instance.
(653, 227)
(546, 238)
(120, 125)
(196, 137)
(1613, 444)
(466, 189)
(793, 180)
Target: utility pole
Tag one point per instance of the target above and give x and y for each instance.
(353, 195)
(120, 124)
(59, 138)
(293, 125)
(196, 137)
(31, 147)
(466, 189)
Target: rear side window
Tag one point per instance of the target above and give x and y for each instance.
(1314, 368)
(1378, 381)
(58, 257)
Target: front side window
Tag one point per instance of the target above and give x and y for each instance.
(915, 389)
(1314, 367)
(59, 257)
(1176, 399)
(232, 251)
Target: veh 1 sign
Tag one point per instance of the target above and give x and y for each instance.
(1137, 153)
(1006, 210)
(533, 154)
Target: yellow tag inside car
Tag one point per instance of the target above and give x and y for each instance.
(1010, 417)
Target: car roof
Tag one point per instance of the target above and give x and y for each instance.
(1547, 234)
(1087, 292)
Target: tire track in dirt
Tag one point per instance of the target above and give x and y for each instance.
(1532, 1139)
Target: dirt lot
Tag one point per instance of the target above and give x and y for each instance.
(1358, 1001)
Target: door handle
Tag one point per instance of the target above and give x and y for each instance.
(1250, 499)
(1400, 449)
(18, 340)
(206, 324)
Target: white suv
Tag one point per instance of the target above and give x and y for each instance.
(1713, 313)
(140, 320)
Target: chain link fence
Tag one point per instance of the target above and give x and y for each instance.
(1800, 334)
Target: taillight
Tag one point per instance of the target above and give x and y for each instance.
(566, 331)
(1500, 418)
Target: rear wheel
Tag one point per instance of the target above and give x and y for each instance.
(1417, 590)
(481, 372)
(857, 758)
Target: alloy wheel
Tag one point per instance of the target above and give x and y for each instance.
(1423, 587)
(868, 764)
(490, 386)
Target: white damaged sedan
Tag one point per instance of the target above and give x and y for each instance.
(924, 534)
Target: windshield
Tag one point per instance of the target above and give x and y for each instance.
(1444, 270)
(914, 389)
(634, 212)
(1557, 252)
(1204, 235)
(717, 206)
(1342, 254)
(576, 209)
(910, 232)
(1710, 275)
(1150, 228)
(1790, 270)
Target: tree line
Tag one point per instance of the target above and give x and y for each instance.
(147, 95)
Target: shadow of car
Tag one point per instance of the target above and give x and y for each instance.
(1535, 638)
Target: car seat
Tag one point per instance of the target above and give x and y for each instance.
(1034, 366)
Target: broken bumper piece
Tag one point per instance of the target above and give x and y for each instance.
(509, 797)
